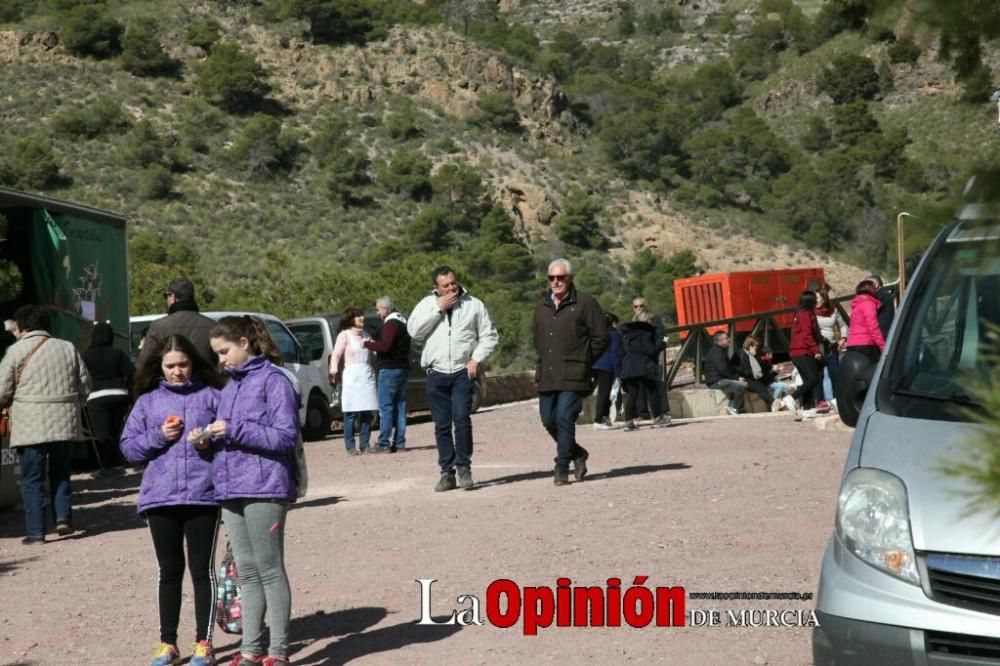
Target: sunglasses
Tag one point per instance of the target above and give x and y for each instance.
(638, 306)
(558, 278)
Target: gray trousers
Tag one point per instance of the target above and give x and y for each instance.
(256, 531)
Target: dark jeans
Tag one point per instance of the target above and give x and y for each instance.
(450, 398)
(559, 411)
(33, 468)
(639, 388)
(602, 408)
(365, 420)
(762, 390)
(812, 378)
(107, 418)
(170, 527)
(734, 390)
(392, 406)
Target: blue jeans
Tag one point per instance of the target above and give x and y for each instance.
(392, 406)
(450, 397)
(366, 429)
(830, 376)
(59, 455)
(559, 411)
(734, 390)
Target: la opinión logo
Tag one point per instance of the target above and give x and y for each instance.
(507, 603)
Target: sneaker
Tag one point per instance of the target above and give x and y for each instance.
(833, 404)
(165, 655)
(353, 452)
(732, 410)
(777, 405)
(789, 403)
(580, 466)
(662, 421)
(33, 541)
(561, 477)
(465, 478)
(446, 482)
(63, 528)
(202, 654)
(602, 425)
(806, 414)
(630, 426)
(822, 407)
(243, 660)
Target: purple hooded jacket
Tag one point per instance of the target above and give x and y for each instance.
(177, 472)
(254, 459)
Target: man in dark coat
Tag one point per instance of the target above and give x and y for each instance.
(182, 319)
(570, 333)
(721, 375)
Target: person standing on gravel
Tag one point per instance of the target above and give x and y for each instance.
(570, 334)
(458, 337)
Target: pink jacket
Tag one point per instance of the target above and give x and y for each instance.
(864, 328)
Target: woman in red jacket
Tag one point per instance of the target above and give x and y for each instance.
(806, 353)
(864, 335)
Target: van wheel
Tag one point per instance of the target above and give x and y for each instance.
(317, 424)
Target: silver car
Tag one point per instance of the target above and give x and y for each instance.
(911, 575)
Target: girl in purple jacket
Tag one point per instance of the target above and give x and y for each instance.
(254, 446)
(178, 395)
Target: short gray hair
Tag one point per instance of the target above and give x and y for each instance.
(385, 302)
(563, 263)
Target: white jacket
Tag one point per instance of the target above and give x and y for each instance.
(450, 340)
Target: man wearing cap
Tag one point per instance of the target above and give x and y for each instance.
(182, 319)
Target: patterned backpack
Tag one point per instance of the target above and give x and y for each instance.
(228, 605)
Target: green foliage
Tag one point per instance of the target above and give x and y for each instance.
(231, 79)
(30, 165)
(347, 179)
(713, 88)
(90, 30)
(408, 173)
(204, 31)
(11, 282)
(460, 189)
(904, 50)
(350, 21)
(154, 257)
(817, 135)
(849, 77)
(517, 41)
(12, 11)
(978, 86)
(667, 19)
(853, 122)
(90, 120)
(142, 54)
(838, 15)
(154, 182)
(262, 148)
(430, 230)
(578, 225)
(497, 110)
(332, 138)
(403, 125)
(144, 145)
(652, 277)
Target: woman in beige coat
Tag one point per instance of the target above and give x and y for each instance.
(45, 404)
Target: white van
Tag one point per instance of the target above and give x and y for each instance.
(314, 413)
(911, 574)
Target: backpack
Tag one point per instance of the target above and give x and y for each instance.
(228, 604)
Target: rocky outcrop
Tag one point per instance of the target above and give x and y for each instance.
(17, 45)
(530, 205)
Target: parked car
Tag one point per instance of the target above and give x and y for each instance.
(318, 334)
(911, 574)
(314, 413)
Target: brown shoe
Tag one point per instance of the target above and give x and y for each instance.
(561, 477)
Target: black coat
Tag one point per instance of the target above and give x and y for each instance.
(718, 366)
(746, 372)
(639, 350)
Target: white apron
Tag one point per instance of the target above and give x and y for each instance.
(357, 393)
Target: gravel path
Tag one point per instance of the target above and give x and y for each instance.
(727, 504)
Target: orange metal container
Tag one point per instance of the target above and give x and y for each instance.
(724, 295)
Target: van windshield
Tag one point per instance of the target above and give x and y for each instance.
(948, 340)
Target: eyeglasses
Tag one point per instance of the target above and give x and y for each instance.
(558, 278)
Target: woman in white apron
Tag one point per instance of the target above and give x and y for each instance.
(353, 366)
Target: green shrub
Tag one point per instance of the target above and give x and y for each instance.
(346, 178)
(142, 54)
(204, 31)
(578, 225)
(849, 77)
(32, 165)
(92, 119)
(402, 125)
(143, 146)
(231, 79)
(497, 110)
(904, 50)
(154, 182)
(408, 173)
(817, 135)
(262, 148)
(977, 87)
(90, 30)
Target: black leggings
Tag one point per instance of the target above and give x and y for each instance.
(603, 407)
(638, 387)
(812, 376)
(170, 527)
(107, 417)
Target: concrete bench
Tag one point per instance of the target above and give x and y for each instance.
(709, 402)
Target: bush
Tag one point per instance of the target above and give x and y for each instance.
(849, 77)
(577, 225)
(261, 148)
(904, 50)
(817, 135)
(89, 30)
(154, 182)
(32, 165)
(978, 86)
(347, 179)
(203, 32)
(90, 120)
(497, 110)
(402, 125)
(408, 173)
(142, 54)
(232, 79)
(143, 146)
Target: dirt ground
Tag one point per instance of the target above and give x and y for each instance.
(727, 504)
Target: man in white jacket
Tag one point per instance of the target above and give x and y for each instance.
(458, 337)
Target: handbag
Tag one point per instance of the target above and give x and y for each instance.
(5, 412)
(228, 603)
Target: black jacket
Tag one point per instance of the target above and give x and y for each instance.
(886, 311)
(718, 366)
(746, 372)
(182, 320)
(639, 350)
(568, 341)
(109, 368)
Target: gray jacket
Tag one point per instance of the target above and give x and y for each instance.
(452, 338)
(45, 406)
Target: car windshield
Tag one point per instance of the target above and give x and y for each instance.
(948, 340)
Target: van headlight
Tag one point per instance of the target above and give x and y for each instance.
(874, 523)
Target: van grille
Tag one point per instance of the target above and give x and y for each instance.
(963, 645)
(961, 580)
